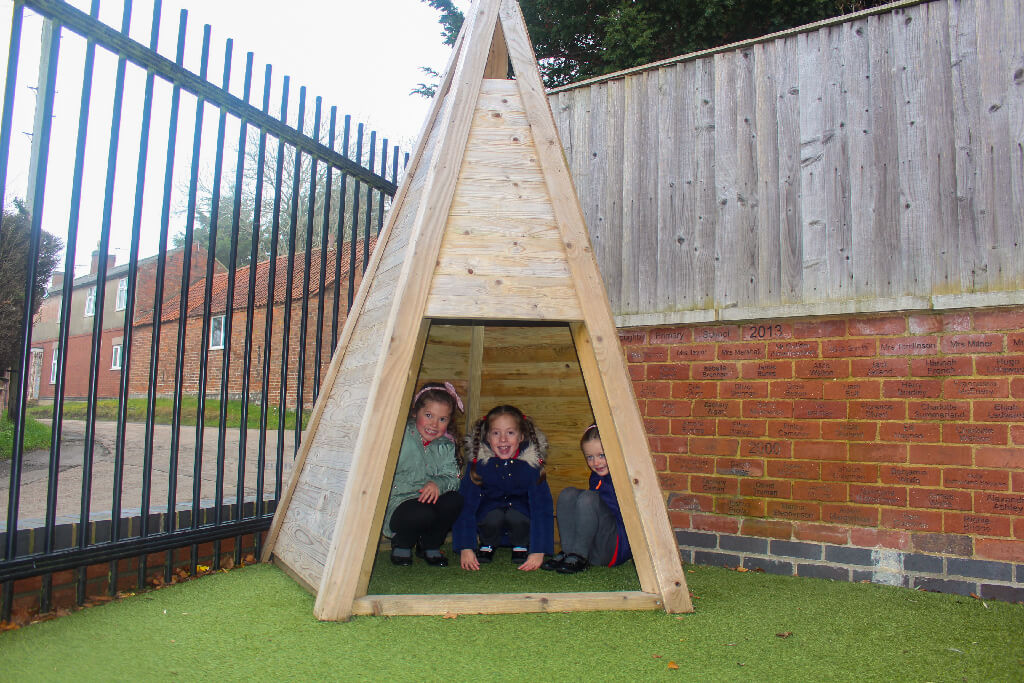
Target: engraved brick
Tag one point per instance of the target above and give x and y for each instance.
(908, 346)
(850, 514)
(782, 429)
(980, 525)
(627, 337)
(745, 507)
(693, 352)
(845, 391)
(767, 409)
(819, 410)
(878, 452)
(999, 411)
(940, 367)
(741, 428)
(714, 371)
(688, 463)
(751, 448)
(940, 499)
(976, 388)
(793, 469)
(848, 348)
(673, 482)
(913, 520)
(1015, 342)
(655, 354)
(849, 431)
(797, 389)
(793, 349)
(912, 388)
(988, 480)
(819, 450)
(992, 434)
(940, 455)
(849, 472)
(999, 365)
(717, 333)
(693, 427)
(766, 370)
(878, 495)
(822, 369)
(743, 389)
(689, 501)
(762, 331)
(693, 390)
(739, 467)
(670, 336)
(787, 509)
(708, 408)
(918, 476)
(972, 343)
(910, 432)
(668, 371)
(659, 408)
(713, 485)
(878, 367)
(765, 488)
(652, 389)
(655, 426)
(735, 352)
(711, 446)
(859, 327)
(946, 411)
(822, 491)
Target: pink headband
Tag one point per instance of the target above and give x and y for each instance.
(589, 428)
(446, 388)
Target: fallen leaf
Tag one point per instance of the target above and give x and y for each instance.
(8, 626)
(740, 664)
(975, 596)
(201, 568)
(250, 558)
(742, 569)
(450, 615)
(656, 656)
(730, 644)
(784, 634)
(229, 563)
(673, 665)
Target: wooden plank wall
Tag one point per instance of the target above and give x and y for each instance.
(533, 368)
(871, 160)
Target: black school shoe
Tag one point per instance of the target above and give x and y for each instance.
(519, 556)
(485, 556)
(553, 563)
(433, 557)
(573, 564)
(401, 560)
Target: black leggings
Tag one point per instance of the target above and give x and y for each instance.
(496, 522)
(425, 523)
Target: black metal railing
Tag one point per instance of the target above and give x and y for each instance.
(203, 319)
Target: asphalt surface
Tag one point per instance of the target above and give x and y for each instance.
(35, 477)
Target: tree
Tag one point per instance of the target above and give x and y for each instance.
(15, 242)
(579, 39)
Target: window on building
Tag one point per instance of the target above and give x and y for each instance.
(53, 367)
(122, 294)
(115, 358)
(217, 332)
(90, 302)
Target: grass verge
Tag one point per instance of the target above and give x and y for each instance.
(163, 412)
(257, 623)
(37, 435)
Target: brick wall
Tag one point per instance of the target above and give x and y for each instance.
(76, 380)
(900, 433)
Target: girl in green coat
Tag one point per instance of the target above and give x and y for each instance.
(424, 498)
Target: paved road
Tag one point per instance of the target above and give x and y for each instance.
(35, 470)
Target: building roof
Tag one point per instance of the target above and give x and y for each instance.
(219, 287)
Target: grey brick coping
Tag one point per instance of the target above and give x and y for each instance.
(986, 579)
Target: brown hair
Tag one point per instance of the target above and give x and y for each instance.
(591, 434)
(526, 428)
(437, 392)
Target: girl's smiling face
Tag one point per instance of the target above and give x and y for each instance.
(504, 437)
(432, 419)
(593, 451)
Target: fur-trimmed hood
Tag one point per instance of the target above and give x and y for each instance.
(533, 454)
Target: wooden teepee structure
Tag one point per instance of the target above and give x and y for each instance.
(485, 227)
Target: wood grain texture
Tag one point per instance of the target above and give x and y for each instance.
(502, 603)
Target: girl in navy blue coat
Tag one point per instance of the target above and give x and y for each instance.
(505, 492)
(589, 522)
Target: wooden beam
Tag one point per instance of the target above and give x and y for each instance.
(476, 368)
(503, 603)
(497, 56)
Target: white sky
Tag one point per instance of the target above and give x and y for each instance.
(362, 57)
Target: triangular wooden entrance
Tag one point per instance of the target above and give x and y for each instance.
(486, 227)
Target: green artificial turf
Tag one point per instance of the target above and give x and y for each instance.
(257, 624)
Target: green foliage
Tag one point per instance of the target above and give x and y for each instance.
(15, 243)
(580, 39)
(163, 411)
(37, 436)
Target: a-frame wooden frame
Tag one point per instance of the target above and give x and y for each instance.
(486, 226)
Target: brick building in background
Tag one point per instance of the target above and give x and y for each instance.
(217, 343)
(45, 331)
